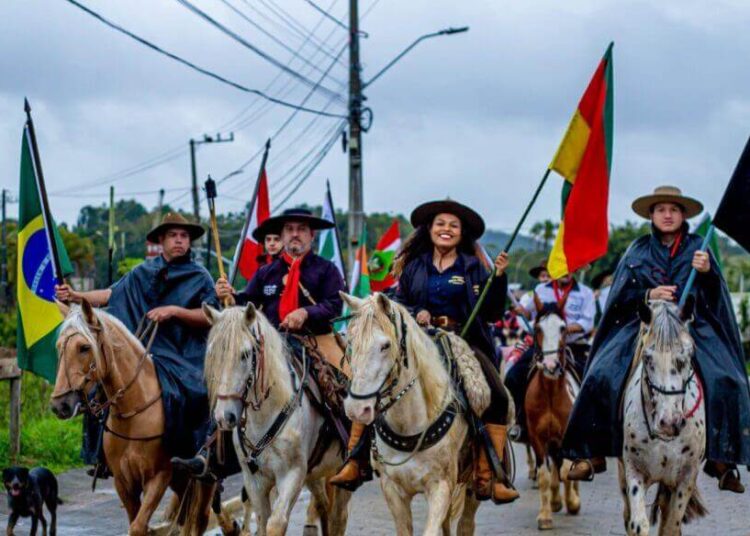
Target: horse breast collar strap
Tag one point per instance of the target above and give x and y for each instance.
(434, 433)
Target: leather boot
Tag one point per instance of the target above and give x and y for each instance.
(349, 476)
(486, 485)
(585, 469)
(727, 474)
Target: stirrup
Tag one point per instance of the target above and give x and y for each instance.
(592, 470)
(730, 472)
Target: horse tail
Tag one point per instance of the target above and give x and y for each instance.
(695, 508)
(458, 500)
(199, 496)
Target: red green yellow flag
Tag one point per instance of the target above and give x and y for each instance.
(584, 159)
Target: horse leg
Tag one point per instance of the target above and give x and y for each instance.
(467, 524)
(289, 487)
(247, 508)
(671, 520)
(635, 488)
(259, 490)
(339, 512)
(556, 501)
(399, 503)
(318, 508)
(544, 519)
(130, 499)
(624, 491)
(439, 504)
(153, 490)
(572, 499)
(532, 465)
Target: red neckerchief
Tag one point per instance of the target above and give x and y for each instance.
(675, 246)
(290, 295)
(562, 297)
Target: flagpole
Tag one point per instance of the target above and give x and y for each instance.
(694, 272)
(46, 215)
(512, 239)
(251, 209)
(210, 187)
(336, 229)
(111, 236)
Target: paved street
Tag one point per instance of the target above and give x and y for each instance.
(100, 513)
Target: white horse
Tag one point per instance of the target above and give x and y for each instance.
(664, 424)
(420, 439)
(255, 390)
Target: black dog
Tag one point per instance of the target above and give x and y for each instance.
(27, 491)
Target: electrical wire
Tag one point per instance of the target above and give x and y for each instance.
(327, 15)
(193, 66)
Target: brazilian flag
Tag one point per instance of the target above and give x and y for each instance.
(39, 264)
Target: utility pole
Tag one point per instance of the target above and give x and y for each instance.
(4, 260)
(193, 170)
(160, 210)
(356, 209)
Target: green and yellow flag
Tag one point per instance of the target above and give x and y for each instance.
(360, 280)
(42, 262)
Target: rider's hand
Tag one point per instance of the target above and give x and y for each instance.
(295, 320)
(160, 314)
(424, 317)
(501, 263)
(224, 290)
(64, 293)
(665, 292)
(702, 262)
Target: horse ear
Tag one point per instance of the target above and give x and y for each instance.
(250, 313)
(384, 303)
(687, 311)
(538, 303)
(212, 315)
(353, 302)
(644, 312)
(64, 308)
(88, 313)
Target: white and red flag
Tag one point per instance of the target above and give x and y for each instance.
(248, 250)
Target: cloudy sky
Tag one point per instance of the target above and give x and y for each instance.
(474, 116)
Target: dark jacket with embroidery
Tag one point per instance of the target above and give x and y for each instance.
(413, 289)
(319, 276)
(595, 426)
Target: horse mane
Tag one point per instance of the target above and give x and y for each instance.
(423, 354)
(666, 326)
(227, 340)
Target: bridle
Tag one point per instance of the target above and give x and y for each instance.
(146, 328)
(563, 351)
(256, 381)
(385, 389)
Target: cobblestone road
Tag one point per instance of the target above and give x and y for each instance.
(100, 514)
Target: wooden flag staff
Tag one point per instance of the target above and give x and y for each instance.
(210, 187)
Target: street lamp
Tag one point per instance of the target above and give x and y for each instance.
(447, 31)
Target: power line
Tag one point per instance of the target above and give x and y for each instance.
(208, 18)
(326, 14)
(193, 66)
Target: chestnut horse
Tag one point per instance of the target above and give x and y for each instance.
(96, 348)
(549, 401)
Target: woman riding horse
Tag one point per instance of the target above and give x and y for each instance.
(440, 278)
(656, 267)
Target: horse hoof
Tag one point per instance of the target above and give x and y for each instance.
(544, 524)
(557, 506)
(574, 508)
(310, 530)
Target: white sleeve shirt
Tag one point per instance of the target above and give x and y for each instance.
(580, 308)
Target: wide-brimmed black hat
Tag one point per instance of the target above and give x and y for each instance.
(426, 212)
(300, 215)
(265, 229)
(172, 220)
(536, 270)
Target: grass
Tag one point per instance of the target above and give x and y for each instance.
(45, 440)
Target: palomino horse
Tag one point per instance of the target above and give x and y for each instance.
(422, 446)
(96, 348)
(664, 423)
(549, 401)
(255, 390)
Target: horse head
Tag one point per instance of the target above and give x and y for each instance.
(666, 350)
(236, 364)
(550, 333)
(81, 362)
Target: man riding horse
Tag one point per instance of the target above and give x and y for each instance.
(168, 289)
(298, 290)
(657, 267)
(440, 278)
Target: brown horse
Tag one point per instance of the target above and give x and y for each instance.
(96, 348)
(548, 403)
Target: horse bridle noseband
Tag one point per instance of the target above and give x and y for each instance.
(563, 351)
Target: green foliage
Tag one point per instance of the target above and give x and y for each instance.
(744, 314)
(49, 442)
(8, 322)
(126, 265)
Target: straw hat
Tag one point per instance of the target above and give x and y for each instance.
(172, 220)
(426, 212)
(667, 194)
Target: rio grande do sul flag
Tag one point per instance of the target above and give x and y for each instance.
(249, 250)
(38, 315)
(381, 260)
(584, 159)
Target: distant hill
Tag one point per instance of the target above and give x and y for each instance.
(495, 240)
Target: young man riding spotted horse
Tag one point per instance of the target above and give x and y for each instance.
(657, 267)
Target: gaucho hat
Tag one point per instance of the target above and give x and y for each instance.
(294, 214)
(265, 229)
(536, 270)
(426, 212)
(172, 220)
(667, 194)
